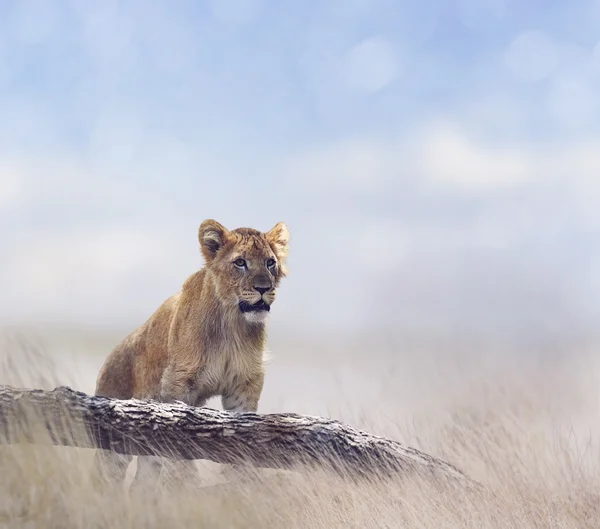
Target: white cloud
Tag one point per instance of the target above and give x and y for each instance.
(109, 273)
(572, 89)
(574, 101)
(533, 56)
(371, 65)
(383, 244)
(581, 164)
(596, 55)
(497, 111)
(442, 158)
(63, 178)
(11, 185)
(361, 165)
(577, 168)
(447, 158)
(342, 249)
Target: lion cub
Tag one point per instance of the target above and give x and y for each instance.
(208, 339)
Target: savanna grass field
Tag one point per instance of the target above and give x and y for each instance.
(520, 418)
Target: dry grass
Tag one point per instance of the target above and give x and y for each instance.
(525, 434)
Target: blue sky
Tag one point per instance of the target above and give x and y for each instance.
(437, 162)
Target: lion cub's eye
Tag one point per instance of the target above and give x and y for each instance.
(270, 263)
(241, 263)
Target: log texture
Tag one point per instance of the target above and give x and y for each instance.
(285, 440)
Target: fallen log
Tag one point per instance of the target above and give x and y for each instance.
(139, 428)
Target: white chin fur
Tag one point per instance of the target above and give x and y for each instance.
(256, 316)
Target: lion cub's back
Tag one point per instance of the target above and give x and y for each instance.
(150, 350)
(134, 368)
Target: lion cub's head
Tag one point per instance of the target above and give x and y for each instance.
(247, 265)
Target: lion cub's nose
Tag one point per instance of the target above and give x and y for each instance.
(262, 290)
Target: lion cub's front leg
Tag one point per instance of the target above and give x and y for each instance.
(241, 398)
(244, 397)
(175, 386)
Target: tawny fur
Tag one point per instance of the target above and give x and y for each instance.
(199, 344)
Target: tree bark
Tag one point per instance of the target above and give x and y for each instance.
(284, 440)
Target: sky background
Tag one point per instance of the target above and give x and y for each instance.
(437, 162)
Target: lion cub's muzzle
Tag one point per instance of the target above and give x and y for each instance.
(257, 300)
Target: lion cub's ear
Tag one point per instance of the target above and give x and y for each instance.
(212, 236)
(279, 238)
